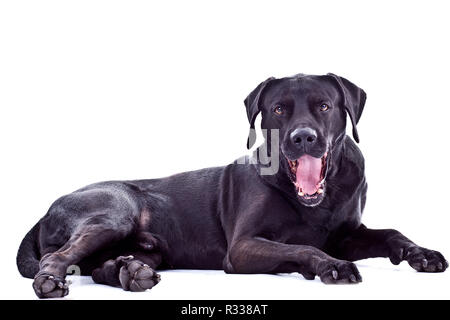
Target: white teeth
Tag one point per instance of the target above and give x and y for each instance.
(319, 191)
(301, 194)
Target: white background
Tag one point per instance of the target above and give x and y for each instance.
(101, 90)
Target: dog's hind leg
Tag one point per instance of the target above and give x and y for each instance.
(135, 269)
(132, 273)
(49, 281)
(80, 226)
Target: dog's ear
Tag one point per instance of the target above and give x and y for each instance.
(354, 101)
(252, 105)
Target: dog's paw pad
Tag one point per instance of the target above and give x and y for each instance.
(48, 286)
(137, 276)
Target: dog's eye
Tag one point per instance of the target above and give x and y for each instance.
(278, 109)
(324, 107)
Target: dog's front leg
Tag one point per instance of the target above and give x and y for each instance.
(365, 243)
(258, 255)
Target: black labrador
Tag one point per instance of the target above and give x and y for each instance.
(294, 206)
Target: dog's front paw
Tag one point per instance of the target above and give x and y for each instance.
(48, 286)
(425, 260)
(421, 259)
(137, 276)
(338, 272)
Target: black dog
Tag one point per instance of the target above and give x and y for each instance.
(304, 217)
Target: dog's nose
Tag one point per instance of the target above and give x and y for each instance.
(303, 136)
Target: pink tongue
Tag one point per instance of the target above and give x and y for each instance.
(308, 173)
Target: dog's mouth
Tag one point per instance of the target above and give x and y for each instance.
(308, 175)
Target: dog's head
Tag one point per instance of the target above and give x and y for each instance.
(310, 113)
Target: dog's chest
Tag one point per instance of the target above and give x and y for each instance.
(316, 236)
(308, 226)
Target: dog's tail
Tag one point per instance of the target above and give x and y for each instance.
(28, 255)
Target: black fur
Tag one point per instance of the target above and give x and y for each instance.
(232, 218)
